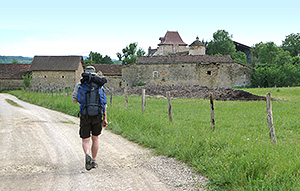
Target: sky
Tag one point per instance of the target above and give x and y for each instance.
(73, 27)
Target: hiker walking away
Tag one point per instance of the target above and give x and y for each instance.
(89, 92)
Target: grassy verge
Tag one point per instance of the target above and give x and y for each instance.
(11, 102)
(238, 155)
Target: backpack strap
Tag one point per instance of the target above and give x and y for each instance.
(79, 93)
(102, 95)
(84, 98)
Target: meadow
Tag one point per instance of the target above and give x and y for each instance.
(238, 155)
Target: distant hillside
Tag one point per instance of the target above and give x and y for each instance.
(18, 59)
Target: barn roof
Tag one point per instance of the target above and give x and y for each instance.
(109, 69)
(56, 63)
(184, 59)
(171, 37)
(13, 71)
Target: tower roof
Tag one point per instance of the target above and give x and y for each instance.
(197, 42)
(171, 38)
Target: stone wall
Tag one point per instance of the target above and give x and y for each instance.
(54, 79)
(7, 84)
(114, 82)
(210, 75)
(78, 73)
(197, 50)
(170, 49)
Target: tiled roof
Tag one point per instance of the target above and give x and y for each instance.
(13, 71)
(109, 69)
(151, 51)
(55, 63)
(183, 59)
(239, 44)
(171, 37)
(197, 42)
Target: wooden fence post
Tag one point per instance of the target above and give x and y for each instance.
(143, 100)
(126, 97)
(111, 96)
(212, 113)
(169, 106)
(270, 118)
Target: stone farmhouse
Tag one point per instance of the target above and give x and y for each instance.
(11, 75)
(56, 72)
(173, 62)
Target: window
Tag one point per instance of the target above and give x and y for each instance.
(155, 74)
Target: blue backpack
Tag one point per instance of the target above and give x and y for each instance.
(92, 99)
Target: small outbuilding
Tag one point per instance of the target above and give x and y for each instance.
(56, 72)
(11, 75)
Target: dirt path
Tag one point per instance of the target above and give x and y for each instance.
(40, 149)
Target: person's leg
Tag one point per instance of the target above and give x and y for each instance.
(95, 146)
(86, 145)
(86, 149)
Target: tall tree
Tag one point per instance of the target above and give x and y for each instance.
(221, 44)
(267, 52)
(239, 57)
(130, 53)
(292, 44)
(275, 66)
(106, 60)
(97, 58)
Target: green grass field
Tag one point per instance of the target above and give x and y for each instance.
(238, 155)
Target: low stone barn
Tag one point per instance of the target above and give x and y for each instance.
(56, 72)
(204, 70)
(11, 75)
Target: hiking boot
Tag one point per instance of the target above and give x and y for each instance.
(94, 164)
(88, 162)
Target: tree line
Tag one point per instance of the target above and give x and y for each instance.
(15, 59)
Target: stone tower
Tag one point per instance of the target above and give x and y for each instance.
(197, 48)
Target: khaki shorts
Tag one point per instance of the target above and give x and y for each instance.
(90, 125)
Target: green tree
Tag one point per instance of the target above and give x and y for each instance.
(282, 58)
(27, 80)
(97, 58)
(107, 60)
(292, 44)
(221, 44)
(130, 53)
(275, 66)
(267, 52)
(254, 52)
(240, 57)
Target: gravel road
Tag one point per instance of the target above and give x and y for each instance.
(40, 149)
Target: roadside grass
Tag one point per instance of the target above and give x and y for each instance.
(238, 155)
(11, 102)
